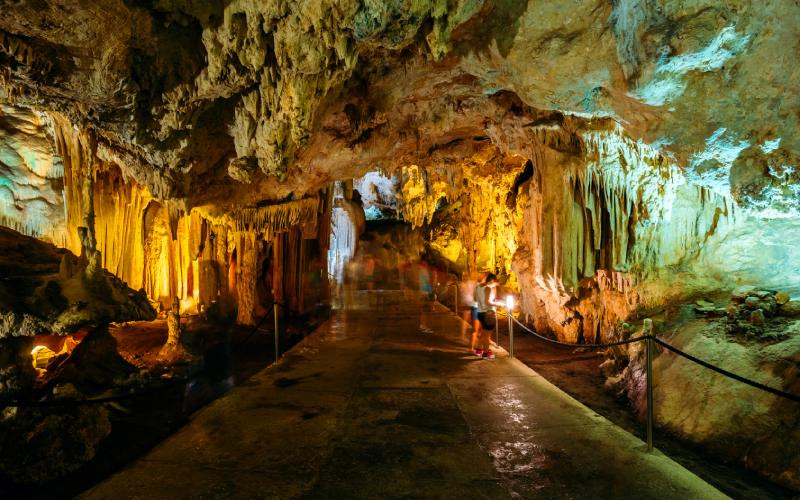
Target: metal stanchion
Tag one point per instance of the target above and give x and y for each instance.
(509, 310)
(510, 336)
(496, 327)
(455, 296)
(275, 315)
(648, 327)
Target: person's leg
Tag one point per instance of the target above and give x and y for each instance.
(476, 326)
(486, 339)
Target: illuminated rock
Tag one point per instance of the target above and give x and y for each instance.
(791, 308)
(36, 298)
(244, 87)
(31, 198)
(608, 159)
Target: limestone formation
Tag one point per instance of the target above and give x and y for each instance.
(181, 93)
(37, 297)
(173, 351)
(609, 160)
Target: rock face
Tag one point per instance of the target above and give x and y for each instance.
(733, 420)
(609, 159)
(181, 93)
(45, 290)
(31, 175)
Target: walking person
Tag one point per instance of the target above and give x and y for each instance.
(467, 299)
(485, 318)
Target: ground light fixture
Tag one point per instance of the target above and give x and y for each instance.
(510, 302)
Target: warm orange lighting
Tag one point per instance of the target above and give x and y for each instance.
(42, 355)
(189, 306)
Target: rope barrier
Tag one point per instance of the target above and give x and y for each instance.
(706, 364)
(255, 328)
(588, 346)
(82, 402)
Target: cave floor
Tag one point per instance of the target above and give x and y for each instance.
(383, 400)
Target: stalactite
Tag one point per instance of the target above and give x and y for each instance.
(268, 219)
(205, 257)
(70, 144)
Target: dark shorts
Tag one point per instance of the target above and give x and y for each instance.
(487, 319)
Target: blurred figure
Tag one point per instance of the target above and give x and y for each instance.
(486, 318)
(425, 280)
(470, 315)
(369, 271)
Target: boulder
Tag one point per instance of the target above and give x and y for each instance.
(740, 294)
(757, 318)
(752, 302)
(791, 309)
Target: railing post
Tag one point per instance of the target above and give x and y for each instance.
(275, 315)
(455, 296)
(496, 325)
(648, 328)
(510, 335)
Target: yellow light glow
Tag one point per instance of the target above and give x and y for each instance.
(189, 306)
(37, 349)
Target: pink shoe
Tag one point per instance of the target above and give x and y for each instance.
(488, 355)
(478, 352)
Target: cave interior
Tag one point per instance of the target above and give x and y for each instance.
(175, 176)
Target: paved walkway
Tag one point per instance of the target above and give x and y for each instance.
(384, 402)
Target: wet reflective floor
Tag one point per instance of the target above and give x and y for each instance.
(385, 401)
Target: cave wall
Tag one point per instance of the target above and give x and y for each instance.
(230, 260)
(199, 99)
(593, 229)
(31, 175)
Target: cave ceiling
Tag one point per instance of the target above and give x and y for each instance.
(245, 100)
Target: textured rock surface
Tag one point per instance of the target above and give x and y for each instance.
(44, 290)
(181, 93)
(31, 184)
(610, 158)
(734, 420)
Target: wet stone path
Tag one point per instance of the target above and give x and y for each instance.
(384, 401)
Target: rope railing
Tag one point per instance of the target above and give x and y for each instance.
(257, 326)
(586, 346)
(19, 403)
(722, 371)
(650, 339)
(675, 350)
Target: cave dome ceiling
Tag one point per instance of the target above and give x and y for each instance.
(240, 101)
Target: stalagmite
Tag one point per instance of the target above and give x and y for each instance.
(173, 350)
(192, 163)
